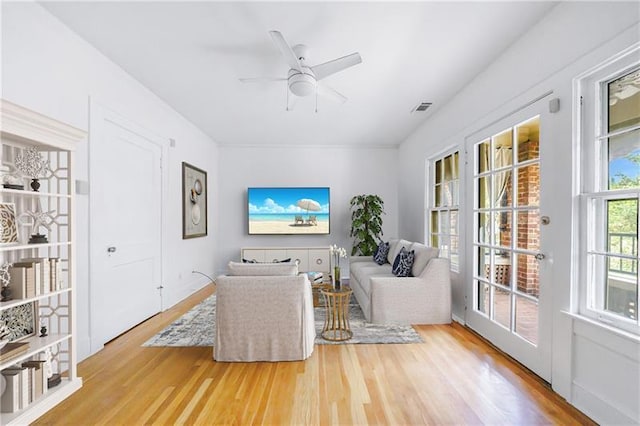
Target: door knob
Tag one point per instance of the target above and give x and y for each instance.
(111, 249)
(540, 256)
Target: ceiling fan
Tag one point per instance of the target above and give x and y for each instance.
(302, 79)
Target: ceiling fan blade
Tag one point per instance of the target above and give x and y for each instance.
(331, 93)
(326, 69)
(288, 54)
(261, 79)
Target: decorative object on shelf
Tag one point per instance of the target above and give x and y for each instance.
(4, 335)
(194, 201)
(43, 331)
(366, 223)
(38, 219)
(31, 164)
(337, 253)
(10, 179)
(8, 226)
(21, 320)
(5, 279)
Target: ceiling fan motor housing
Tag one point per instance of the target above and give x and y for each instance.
(302, 83)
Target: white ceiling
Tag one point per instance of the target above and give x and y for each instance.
(191, 54)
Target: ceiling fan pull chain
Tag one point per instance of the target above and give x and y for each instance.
(287, 89)
(316, 99)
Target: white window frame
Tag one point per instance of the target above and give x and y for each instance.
(431, 201)
(590, 162)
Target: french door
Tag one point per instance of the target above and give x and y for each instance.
(508, 294)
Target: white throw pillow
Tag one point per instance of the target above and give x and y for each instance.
(423, 255)
(395, 249)
(262, 269)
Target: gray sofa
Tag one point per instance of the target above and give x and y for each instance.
(424, 298)
(264, 312)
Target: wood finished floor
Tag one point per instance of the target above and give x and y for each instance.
(453, 378)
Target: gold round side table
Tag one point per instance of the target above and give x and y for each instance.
(336, 321)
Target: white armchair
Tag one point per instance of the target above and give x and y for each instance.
(263, 317)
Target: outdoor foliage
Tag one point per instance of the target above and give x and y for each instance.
(622, 219)
(366, 223)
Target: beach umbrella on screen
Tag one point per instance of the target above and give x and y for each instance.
(309, 205)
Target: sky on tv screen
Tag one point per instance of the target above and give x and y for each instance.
(284, 200)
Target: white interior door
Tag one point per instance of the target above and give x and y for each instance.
(508, 288)
(125, 225)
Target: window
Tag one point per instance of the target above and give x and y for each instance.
(443, 208)
(610, 193)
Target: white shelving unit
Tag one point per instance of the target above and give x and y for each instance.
(21, 128)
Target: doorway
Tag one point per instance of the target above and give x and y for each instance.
(125, 169)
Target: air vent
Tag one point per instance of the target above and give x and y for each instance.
(423, 106)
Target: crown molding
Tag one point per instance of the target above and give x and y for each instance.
(26, 126)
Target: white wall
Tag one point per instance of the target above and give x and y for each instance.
(346, 171)
(573, 37)
(48, 68)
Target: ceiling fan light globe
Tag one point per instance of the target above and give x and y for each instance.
(302, 84)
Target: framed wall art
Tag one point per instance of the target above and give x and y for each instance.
(22, 320)
(194, 201)
(8, 226)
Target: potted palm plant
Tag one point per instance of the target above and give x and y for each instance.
(366, 223)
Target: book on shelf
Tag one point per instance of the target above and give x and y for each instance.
(43, 273)
(55, 273)
(39, 377)
(33, 275)
(22, 281)
(12, 350)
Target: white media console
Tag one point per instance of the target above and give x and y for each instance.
(310, 259)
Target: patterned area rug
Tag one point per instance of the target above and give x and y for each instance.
(196, 328)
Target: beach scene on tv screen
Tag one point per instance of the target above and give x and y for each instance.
(288, 210)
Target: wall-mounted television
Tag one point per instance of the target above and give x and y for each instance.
(286, 211)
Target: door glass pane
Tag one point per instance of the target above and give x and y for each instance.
(438, 195)
(529, 140)
(503, 228)
(502, 189)
(483, 263)
(434, 240)
(528, 191)
(438, 171)
(502, 268)
(484, 228)
(502, 150)
(527, 319)
(453, 222)
(527, 278)
(624, 101)
(502, 306)
(624, 160)
(529, 230)
(483, 297)
(483, 156)
(482, 186)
